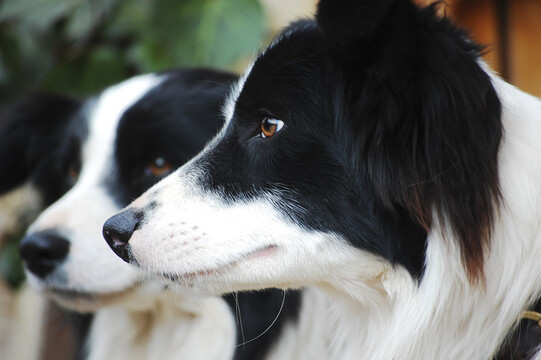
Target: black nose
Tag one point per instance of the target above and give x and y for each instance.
(118, 230)
(42, 252)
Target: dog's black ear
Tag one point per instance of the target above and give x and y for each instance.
(29, 130)
(425, 115)
(345, 21)
(359, 33)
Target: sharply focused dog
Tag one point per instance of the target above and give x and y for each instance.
(93, 157)
(370, 153)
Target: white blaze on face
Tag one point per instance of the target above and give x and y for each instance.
(210, 246)
(79, 215)
(104, 118)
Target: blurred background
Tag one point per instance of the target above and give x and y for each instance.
(79, 47)
(82, 46)
(511, 32)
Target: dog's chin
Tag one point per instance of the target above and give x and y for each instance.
(88, 301)
(221, 284)
(251, 271)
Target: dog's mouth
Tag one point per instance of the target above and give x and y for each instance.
(254, 254)
(73, 295)
(81, 300)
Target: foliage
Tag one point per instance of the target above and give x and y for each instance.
(81, 46)
(11, 266)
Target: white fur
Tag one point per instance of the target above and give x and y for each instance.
(169, 328)
(90, 267)
(20, 310)
(17, 208)
(23, 316)
(229, 107)
(377, 311)
(308, 339)
(133, 320)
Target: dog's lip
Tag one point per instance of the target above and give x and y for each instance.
(72, 294)
(260, 252)
(68, 294)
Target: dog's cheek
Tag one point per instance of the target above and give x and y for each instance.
(142, 248)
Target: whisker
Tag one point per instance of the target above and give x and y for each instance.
(268, 328)
(239, 317)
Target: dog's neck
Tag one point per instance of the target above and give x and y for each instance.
(444, 315)
(172, 327)
(427, 320)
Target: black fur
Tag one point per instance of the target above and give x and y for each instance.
(255, 313)
(37, 140)
(524, 341)
(173, 121)
(364, 19)
(388, 116)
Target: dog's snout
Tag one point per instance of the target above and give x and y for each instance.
(42, 252)
(118, 230)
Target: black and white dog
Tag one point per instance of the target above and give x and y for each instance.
(96, 156)
(28, 184)
(372, 154)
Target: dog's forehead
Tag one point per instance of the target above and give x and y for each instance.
(89, 136)
(173, 112)
(296, 54)
(102, 114)
(289, 91)
(285, 62)
(110, 105)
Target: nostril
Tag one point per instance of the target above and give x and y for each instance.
(42, 252)
(112, 235)
(118, 230)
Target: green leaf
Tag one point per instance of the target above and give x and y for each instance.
(82, 45)
(87, 17)
(37, 14)
(88, 74)
(24, 60)
(11, 266)
(200, 33)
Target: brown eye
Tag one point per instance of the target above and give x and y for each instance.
(159, 167)
(269, 127)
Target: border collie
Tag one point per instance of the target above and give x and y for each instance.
(95, 157)
(27, 185)
(372, 154)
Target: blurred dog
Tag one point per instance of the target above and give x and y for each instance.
(106, 151)
(25, 190)
(373, 154)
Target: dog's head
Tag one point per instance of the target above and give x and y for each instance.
(105, 154)
(349, 140)
(31, 178)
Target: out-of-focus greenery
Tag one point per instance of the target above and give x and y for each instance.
(11, 266)
(81, 46)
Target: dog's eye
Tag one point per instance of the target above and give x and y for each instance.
(158, 167)
(269, 127)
